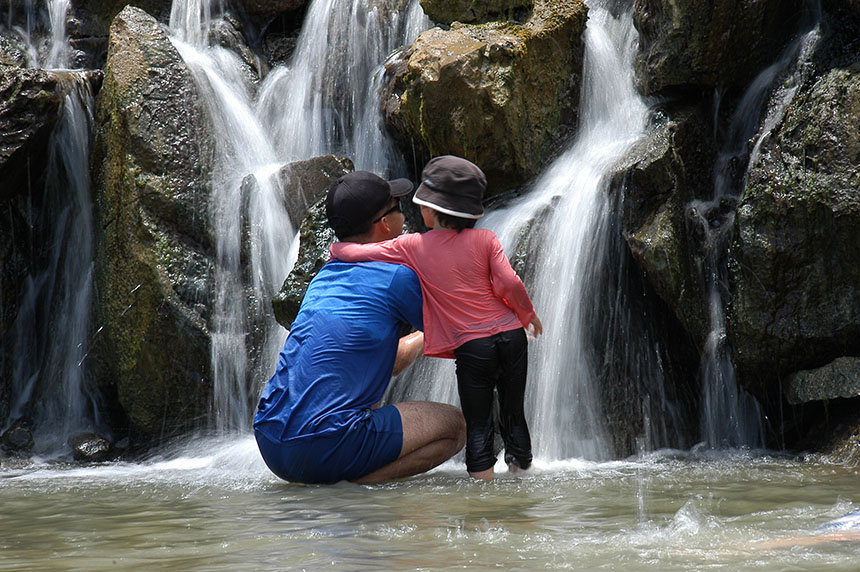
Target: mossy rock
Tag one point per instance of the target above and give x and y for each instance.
(501, 94)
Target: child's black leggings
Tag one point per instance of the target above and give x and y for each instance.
(499, 361)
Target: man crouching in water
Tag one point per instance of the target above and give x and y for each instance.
(317, 420)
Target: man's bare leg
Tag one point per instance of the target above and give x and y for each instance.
(432, 434)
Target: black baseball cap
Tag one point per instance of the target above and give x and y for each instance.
(452, 185)
(356, 198)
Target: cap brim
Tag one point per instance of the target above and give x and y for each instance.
(400, 187)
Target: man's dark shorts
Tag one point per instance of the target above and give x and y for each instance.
(369, 443)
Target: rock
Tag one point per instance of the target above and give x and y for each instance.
(152, 157)
(839, 378)
(795, 269)
(263, 11)
(308, 179)
(90, 447)
(503, 94)
(93, 17)
(663, 178)
(469, 11)
(700, 43)
(18, 437)
(227, 32)
(29, 109)
(306, 182)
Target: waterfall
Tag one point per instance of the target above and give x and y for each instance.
(564, 217)
(326, 100)
(52, 325)
(323, 102)
(730, 416)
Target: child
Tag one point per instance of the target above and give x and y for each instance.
(475, 307)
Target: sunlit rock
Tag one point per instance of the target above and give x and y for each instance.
(90, 447)
(502, 94)
(700, 43)
(838, 379)
(795, 268)
(152, 158)
(469, 11)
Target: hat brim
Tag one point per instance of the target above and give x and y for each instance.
(445, 203)
(400, 187)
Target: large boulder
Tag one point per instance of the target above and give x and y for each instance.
(701, 43)
(795, 270)
(305, 185)
(469, 11)
(151, 160)
(501, 94)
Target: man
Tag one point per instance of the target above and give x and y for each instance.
(317, 420)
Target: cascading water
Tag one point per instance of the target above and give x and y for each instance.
(323, 102)
(564, 216)
(52, 325)
(730, 416)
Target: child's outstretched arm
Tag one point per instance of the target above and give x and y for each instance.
(387, 251)
(508, 287)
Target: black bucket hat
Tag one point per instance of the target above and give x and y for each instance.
(453, 186)
(356, 198)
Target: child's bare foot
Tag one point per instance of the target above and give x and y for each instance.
(513, 467)
(486, 475)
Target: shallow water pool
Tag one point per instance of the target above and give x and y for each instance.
(198, 510)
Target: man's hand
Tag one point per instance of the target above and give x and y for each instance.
(409, 348)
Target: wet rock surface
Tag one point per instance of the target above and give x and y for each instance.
(795, 270)
(152, 156)
(701, 43)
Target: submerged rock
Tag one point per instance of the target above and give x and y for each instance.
(501, 94)
(152, 158)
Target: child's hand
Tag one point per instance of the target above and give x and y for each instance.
(535, 328)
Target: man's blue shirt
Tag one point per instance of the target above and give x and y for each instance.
(339, 354)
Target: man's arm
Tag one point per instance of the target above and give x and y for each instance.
(409, 348)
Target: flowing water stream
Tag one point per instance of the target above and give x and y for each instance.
(213, 505)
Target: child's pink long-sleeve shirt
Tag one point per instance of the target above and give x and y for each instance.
(470, 290)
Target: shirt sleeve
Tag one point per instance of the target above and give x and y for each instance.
(507, 286)
(387, 251)
(406, 299)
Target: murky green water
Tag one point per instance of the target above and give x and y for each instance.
(214, 506)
